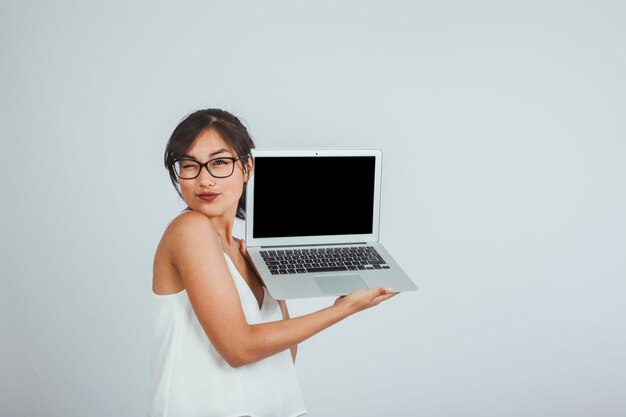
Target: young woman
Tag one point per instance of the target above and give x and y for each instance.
(221, 345)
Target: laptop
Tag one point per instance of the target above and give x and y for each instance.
(312, 223)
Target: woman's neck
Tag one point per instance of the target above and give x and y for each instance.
(224, 228)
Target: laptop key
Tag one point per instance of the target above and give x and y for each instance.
(327, 269)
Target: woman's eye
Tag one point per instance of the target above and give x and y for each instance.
(189, 166)
(220, 161)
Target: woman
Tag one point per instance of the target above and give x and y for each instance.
(222, 345)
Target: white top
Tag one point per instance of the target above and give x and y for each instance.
(190, 378)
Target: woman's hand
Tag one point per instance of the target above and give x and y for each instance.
(362, 299)
(242, 248)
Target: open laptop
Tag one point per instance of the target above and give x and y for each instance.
(313, 223)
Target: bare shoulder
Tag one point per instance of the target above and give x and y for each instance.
(190, 239)
(189, 222)
(189, 228)
(187, 240)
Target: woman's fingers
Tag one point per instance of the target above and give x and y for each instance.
(382, 293)
(366, 298)
(242, 247)
(379, 299)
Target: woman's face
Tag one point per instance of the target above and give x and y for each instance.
(215, 197)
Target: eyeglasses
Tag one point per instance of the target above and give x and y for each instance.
(188, 169)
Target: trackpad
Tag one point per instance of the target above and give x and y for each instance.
(340, 283)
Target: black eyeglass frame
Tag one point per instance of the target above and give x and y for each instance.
(206, 165)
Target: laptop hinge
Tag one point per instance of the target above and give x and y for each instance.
(318, 244)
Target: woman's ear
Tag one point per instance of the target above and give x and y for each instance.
(249, 169)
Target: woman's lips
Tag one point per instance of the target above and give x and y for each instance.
(207, 196)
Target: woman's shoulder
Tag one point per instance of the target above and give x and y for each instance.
(189, 225)
(189, 237)
(191, 220)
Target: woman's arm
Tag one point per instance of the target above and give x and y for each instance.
(285, 312)
(270, 338)
(197, 254)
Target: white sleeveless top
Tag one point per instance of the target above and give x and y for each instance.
(191, 379)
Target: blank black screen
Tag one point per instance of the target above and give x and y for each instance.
(313, 196)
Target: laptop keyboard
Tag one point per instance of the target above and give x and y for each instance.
(301, 261)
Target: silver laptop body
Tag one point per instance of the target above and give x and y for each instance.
(312, 223)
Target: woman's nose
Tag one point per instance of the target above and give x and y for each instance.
(205, 176)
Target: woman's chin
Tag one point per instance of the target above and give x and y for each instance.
(211, 210)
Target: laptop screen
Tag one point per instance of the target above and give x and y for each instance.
(313, 195)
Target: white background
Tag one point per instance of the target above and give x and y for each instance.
(503, 132)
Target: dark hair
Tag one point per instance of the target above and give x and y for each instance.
(226, 125)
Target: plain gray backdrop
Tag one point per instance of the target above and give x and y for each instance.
(502, 126)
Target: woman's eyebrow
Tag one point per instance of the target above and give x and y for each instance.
(218, 151)
(187, 156)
